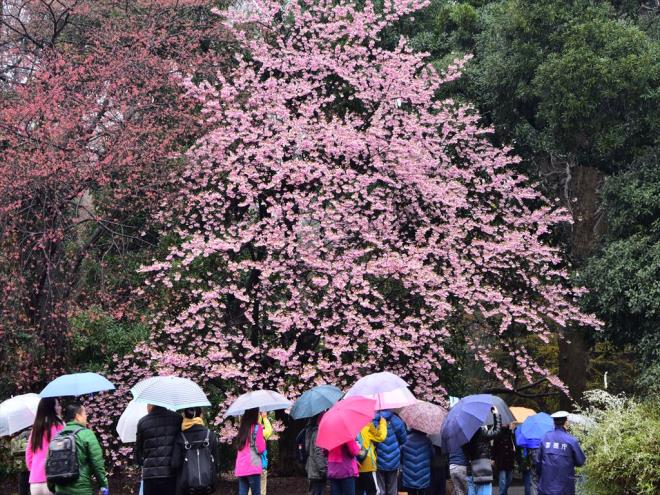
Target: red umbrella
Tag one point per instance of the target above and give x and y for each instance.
(344, 420)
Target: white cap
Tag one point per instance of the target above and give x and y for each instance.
(559, 415)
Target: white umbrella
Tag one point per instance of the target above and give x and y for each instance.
(128, 421)
(18, 413)
(265, 400)
(387, 389)
(581, 420)
(170, 392)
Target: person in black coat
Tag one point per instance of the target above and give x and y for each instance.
(477, 451)
(156, 434)
(193, 431)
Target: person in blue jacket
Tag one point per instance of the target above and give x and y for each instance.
(388, 452)
(559, 454)
(416, 456)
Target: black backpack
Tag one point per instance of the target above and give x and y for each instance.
(62, 462)
(198, 474)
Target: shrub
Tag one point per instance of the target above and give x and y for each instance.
(622, 447)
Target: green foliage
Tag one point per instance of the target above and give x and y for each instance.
(566, 78)
(622, 448)
(624, 277)
(97, 339)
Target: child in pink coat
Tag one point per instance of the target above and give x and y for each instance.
(250, 444)
(343, 468)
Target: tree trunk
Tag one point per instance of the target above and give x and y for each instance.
(582, 196)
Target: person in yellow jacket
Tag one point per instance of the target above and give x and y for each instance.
(268, 431)
(366, 482)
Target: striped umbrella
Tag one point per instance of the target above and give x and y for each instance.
(170, 392)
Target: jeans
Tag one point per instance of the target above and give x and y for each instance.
(505, 478)
(316, 487)
(388, 482)
(264, 482)
(252, 483)
(344, 486)
(479, 488)
(529, 483)
(458, 475)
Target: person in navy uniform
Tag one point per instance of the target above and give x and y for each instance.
(559, 454)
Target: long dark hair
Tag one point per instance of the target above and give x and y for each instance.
(44, 422)
(249, 419)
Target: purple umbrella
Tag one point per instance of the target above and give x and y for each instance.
(388, 390)
(464, 419)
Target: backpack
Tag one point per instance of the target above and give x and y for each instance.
(62, 462)
(198, 473)
(264, 454)
(363, 453)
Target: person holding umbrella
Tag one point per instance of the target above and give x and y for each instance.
(480, 470)
(250, 444)
(504, 454)
(156, 434)
(316, 464)
(46, 426)
(368, 438)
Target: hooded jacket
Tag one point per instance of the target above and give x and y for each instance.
(388, 451)
(416, 456)
(370, 436)
(90, 463)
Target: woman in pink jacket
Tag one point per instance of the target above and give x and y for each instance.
(47, 425)
(250, 444)
(343, 468)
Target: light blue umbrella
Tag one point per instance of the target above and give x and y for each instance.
(315, 401)
(264, 400)
(534, 429)
(171, 392)
(77, 384)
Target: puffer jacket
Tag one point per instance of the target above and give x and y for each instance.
(90, 463)
(388, 451)
(156, 434)
(477, 451)
(317, 461)
(416, 457)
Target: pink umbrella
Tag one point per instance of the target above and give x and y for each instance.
(424, 416)
(344, 420)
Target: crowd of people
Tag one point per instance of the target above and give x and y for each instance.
(179, 455)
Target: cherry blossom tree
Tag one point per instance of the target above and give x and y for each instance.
(338, 218)
(92, 120)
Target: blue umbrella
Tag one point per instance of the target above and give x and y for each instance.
(76, 385)
(464, 419)
(315, 401)
(534, 429)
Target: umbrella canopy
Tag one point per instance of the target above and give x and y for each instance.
(18, 413)
(388, 390)
(424, 416)
(503, 409)
(344, 421)
(77, 384)
(534, 429)
(464, 419)
(170, 392)
(521, 413)
(315, 401)
(128, 421)
(264, 400)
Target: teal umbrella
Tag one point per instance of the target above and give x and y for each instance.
(315, 401)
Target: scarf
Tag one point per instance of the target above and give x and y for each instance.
(187, 423)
